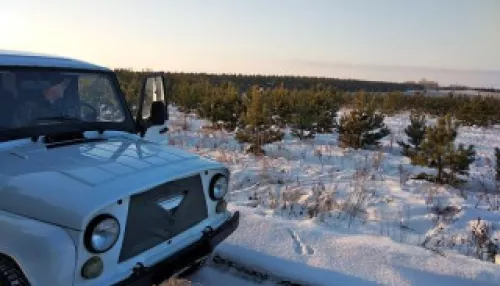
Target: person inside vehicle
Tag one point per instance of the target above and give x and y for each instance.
(44, 105)
(51, 96)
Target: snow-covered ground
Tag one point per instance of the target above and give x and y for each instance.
(318, 214)
(314, 255)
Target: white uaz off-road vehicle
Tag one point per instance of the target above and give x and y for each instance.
(88, 196)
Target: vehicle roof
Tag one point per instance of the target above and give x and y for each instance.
(30, 59)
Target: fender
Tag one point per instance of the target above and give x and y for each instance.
(41, 250)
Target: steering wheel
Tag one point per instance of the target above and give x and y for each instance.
(93, 112)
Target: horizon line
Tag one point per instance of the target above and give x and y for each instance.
(263, 74)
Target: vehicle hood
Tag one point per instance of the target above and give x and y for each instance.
(63, 185)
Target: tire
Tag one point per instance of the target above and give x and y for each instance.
(11, 274)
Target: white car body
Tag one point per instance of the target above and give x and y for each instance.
(48, 196)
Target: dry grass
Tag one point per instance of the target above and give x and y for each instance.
(176, 282)
(224, 157)
(292, 196)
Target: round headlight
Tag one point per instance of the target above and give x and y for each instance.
(218, 187)
(102, 233)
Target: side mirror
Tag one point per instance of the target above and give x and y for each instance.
(152, 109)
(158, 114)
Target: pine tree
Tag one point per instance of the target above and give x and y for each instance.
(477, 111)
(416, 133)
(257, 126)
(326, 111)
(460, 160)
(189, 96)
(221, 105)
(438, 151)
(304, 115)
(363, 126)
(281, 105)
(362, 100)
(392, 102)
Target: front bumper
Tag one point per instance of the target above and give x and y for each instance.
(163, 270)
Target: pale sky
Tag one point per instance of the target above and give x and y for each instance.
(452, 41)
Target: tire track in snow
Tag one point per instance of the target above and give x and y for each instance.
(250, 274)
(300, 247)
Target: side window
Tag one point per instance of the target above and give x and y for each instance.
(98, 100)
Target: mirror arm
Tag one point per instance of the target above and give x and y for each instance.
(141, 127)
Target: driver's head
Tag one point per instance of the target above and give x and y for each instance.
(56, 89)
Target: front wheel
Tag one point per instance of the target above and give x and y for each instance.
(11, 274)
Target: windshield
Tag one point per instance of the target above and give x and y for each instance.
(30, 99)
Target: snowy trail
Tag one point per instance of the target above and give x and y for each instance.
(280, 247)
(300, 247)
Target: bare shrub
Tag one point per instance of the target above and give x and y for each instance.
(181, 123)
(444, 214)
(313, 208)
(488, 191)
(273, 201)
(481, 232)
(361, 171)
(355, 204)
(370, 167)
(404, 175)
(297, 201)
(430, 192)
(358, 196)
(392, 138)
(377, 165)
(325, 204)
(272, 172)
(404, 222)
(377, 161)
(291, 196)
(215, 126)
(319, 154)
(264, 168)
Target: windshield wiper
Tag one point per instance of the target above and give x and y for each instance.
(59, 118)
(72, 131)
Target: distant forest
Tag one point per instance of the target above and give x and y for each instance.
(244, 82)
(219, 97)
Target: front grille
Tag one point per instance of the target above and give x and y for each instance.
(161, 213)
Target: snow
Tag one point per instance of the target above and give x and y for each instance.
(316, 255)
(318, 214)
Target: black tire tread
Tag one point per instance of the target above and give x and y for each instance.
(11, 274)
